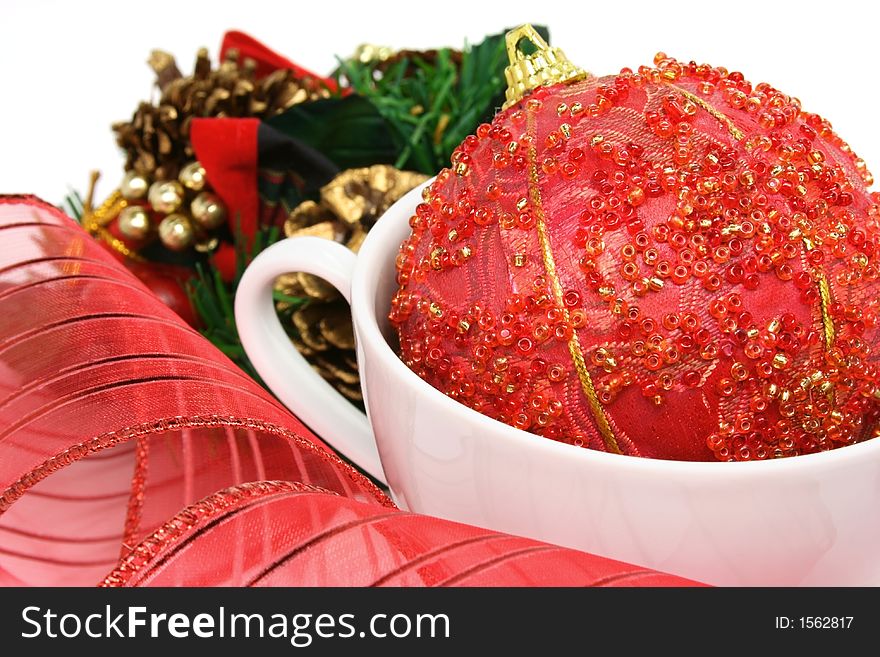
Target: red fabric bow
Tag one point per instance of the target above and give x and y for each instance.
(227, 147)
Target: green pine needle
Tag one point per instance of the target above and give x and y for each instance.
(73, 205)
(431, 109)
(213, 298)
(414, 114)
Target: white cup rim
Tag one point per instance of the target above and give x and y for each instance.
(379, 247)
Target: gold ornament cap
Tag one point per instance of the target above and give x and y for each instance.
(528, 72)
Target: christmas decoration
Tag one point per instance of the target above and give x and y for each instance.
(156, 139)
(432, 99)
(168, 283)
(165, 197)
(317, 316)
(192, 176)
(148, 445)
(96, 220)
(384, 58)
(134, 186)
(446, 91)
(208, 210)
(670, 262)
(159, 150)
(134, 222)
(176, 232)
(228, 155)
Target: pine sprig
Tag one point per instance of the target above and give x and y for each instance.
(431, 106)
(73, 205)
(413, 112)
(213, 299)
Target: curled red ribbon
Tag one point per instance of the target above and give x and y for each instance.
(132, 452)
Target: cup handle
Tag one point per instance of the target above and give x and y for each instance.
(278, 362)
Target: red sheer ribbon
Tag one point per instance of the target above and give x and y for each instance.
(132, 452)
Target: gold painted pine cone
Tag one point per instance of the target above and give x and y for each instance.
(319, 324)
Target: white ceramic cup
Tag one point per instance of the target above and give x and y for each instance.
(807, 520)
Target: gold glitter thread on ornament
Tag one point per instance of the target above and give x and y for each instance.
(735, 132)
(574, 345)
(825, 301)
(545, 66)
(825, 307)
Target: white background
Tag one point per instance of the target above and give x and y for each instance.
(70, 69)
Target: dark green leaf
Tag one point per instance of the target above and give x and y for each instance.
(350, 131)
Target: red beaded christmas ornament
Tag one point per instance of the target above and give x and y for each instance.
(670, 262)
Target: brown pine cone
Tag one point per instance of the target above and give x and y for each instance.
(316, 316)
(156, 139)
(385, 57)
